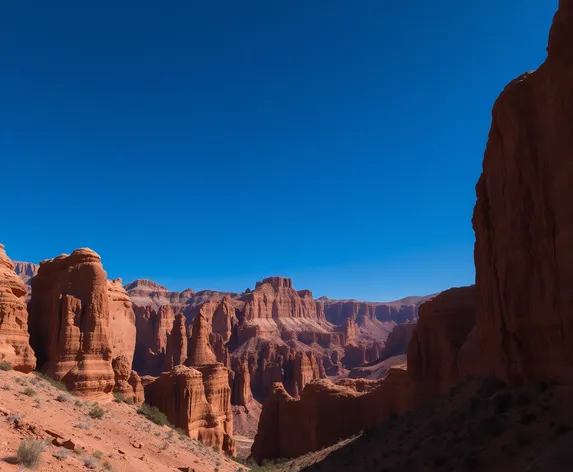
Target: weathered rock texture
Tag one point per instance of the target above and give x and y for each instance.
(14, 339)
(198, 398)
(127, 381)
(70, 322)
(176, 344)
(277, 332)
(195, 405)
(327, 412)
(443, 327)
(122, 321)
(153, 330)
(80, 322)
(398, 339)
(523, 221)
(26, 270)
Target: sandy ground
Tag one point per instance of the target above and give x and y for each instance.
(126, 441)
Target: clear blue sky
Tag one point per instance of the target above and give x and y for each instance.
(212, 143)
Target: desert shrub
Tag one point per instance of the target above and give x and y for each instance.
(120, 398)
(79, 403)
(79, 451)
(29, 452)
(63, 398)
(5, 387)
(37, 403)
(98, 454)
(82, 426)
(61, 454)
(107, 466)
(53, 382)
(29, 391)
(153, 415)
(15, 417)
(5, 366)
(97, 412)
(91, 462)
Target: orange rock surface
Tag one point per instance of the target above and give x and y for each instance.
(14, 338)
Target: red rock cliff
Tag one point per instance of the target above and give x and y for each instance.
(122, 321)
(14, 338)
(523, 219)
(443, 327)
(70, 322)
(275, 298)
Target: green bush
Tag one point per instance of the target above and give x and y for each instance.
(97, 412)
(5, 366)
(29, 391)
(153, 415)
(29, 452)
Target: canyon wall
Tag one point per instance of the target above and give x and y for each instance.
(327, 412)
(14, 338)
(523, 222)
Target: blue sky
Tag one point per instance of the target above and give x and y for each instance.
(211, 144)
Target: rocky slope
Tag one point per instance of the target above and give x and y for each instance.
(121, 440)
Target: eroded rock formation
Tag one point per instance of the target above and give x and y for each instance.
(14, 339)
(196, 398)
(122, 321)
(70, 322)
(523, 219)
(325, 413)
(443, 327)
(192, 403)
(398, 339)
(127, 382)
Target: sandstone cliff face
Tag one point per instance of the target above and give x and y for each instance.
(14, 339)
(400, 311)
(181, 395)
(522, 221)
(176, 344)
(443, 327)
(26, 270)
(275, 298)
(398, 339)
(146, 293)
(122, 321)
(197, 399)
(325, 413)
(70, 322)
(153, 329)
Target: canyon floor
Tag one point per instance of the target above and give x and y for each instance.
(122, 440)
